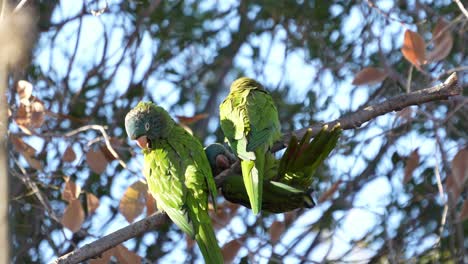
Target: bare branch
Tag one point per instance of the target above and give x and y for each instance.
(97, 247)
(354, 120)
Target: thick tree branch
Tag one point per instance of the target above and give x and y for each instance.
(354, 120)
(97, 247)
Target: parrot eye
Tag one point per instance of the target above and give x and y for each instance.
(147, 126)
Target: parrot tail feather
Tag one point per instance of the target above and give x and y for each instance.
(206, 240)
(252, 173)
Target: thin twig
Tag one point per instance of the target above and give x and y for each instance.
(462, 8)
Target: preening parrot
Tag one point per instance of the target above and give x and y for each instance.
(178, 174)
(250, 123)
(287, 181)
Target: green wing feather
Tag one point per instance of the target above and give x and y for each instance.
(249, 120)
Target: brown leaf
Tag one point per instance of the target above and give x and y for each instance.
(231, 248)
(276, 230)
(37, 114)
(96, 160)
(443, 42)
(24, 90)
(412, 162)
(190, 242)
(92, 202)
(104, 258)
(369, 75)
(133, 201)
(126, 256)
(188, 120)
(464, 211)
(289, 217)
(73, 216)
(150, 204)
(69, 154)
(70, 191)
(326, 195)
(452, 188)
(414, 48)
(22, 115)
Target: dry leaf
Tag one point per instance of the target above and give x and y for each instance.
(31, 115)
(126, 256)
(369, 75)
(33, 162)
(73, 216)
(326, 195)
(412, 162)
(460, 167)
(24, 90)
(70, 191)
(443, 42)
(464, 211)
(187, 120)
(133, 201)
(69, 154)
(452, 187)
(231, 248)
(289, 217)
(96, 160)
(276, 230)
(104, 258)
(190, 242)
(414, 48)
(92, 202)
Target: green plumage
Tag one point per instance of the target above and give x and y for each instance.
(250, 123)
(178, 174)
(287, 181)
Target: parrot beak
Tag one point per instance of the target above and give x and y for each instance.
(143, 142)
(222, 162)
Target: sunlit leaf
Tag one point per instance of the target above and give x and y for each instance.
(92, 202)
(96, 160)
(69, 154)
(24, 90)
(73, 216)
(414, 48)
(327, 194)
(133, 201)
(443, 42)
(231, 248)
(276, 230)
(70, 191)
(369, 75)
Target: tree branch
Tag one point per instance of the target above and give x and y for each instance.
(113, 239)
(354, 120)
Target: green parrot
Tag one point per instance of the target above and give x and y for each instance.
(178, 174)
(287, 183)
(250, 123)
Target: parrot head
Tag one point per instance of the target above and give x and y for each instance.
(147, 123)
(246, 83)
(220, 157)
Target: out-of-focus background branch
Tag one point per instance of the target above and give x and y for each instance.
(394, 189)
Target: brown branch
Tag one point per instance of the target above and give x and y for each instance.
(354, 120)
(97, 247)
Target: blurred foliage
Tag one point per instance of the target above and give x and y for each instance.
(91, 69)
